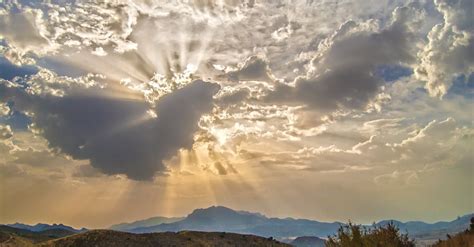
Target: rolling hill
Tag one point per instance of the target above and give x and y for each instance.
(308, 241)
(99, 238)
(11, 236)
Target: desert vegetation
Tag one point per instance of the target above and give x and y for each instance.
(465, 238)
(352, 235)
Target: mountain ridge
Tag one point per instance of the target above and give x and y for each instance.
(144, 223)
(220, 218)
(43, 227)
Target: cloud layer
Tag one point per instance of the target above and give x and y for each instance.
(246, 103)
(342, 72)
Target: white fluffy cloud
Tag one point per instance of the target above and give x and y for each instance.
(5, 132)
(450, 49)
(4, 109)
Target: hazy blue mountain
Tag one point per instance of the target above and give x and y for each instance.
(7, 232)
(423, 230)
(145, 223)
(222, 219)
(44, 227)
(228, 220)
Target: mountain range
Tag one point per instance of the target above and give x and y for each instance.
(222, 219)
(420, 229)
(218, 218)
(44, 227)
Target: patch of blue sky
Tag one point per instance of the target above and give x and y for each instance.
(17, 120)
(462, 85)
(8, 71)
(390, 73)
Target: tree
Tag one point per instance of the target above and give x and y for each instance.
(471, 227)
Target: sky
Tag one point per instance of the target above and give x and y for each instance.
(116, 110)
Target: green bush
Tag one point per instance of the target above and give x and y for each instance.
(352, 235)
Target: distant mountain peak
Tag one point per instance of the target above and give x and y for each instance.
(222, 210)
(214, 208)
(224, 219)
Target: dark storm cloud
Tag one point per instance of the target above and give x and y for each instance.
(343, 75)
(115, 134)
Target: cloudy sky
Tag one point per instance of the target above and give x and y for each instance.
(119, 110)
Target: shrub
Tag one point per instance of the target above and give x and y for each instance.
(462, 239)
(352, 235)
